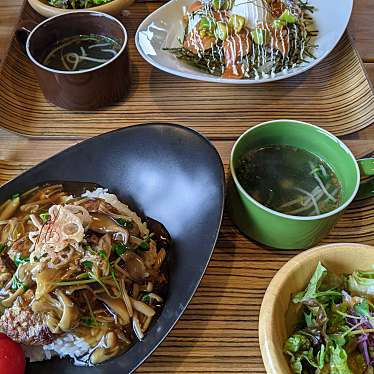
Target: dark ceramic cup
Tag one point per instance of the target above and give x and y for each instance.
(84, 89)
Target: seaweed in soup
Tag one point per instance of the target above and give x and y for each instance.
(289, 180)
(81, 52)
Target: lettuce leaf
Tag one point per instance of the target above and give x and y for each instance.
(312, 289)
(297, 342)
(338, 361)
(361, 282)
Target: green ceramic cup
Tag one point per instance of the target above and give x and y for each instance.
(284, 231)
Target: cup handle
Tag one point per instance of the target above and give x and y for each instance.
(22, 33)
(366, 189)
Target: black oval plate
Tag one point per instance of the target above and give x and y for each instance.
(167, 172)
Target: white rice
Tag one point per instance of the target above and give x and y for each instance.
(68, 345)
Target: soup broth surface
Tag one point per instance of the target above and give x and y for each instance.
(81, 52)
(289, 180)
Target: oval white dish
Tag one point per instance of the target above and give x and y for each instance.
(163, 27)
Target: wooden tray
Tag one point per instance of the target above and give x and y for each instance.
(218, 332)
(335, 95)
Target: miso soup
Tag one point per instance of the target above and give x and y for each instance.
(289, 180)
(81, 52)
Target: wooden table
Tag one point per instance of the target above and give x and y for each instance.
(218, 332)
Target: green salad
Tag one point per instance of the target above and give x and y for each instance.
(77, 4)
(336, 332)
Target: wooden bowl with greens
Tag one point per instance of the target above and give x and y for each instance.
(317, 315)
(50, 8)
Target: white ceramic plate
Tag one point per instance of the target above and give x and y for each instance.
(163, 27)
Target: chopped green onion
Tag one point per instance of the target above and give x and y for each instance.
(88, 248)
(259, 36)
(87, 321)
(119, 248)
(87, 264)
(146, 298)
(124, 222)
(278, 23)
(20, 260)
(144, 245)
(44, 216)
(236, 22)
(288, 17)
(207, 24)
(222, 30)
(16, 284)
(15, 196)
(222, 4)
(218, 4)
(102, 254)
(3, 248)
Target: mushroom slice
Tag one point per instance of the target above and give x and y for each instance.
(135, 266)
(142, 308)
(103, 224)
(117, 306)
(103, 354)
(70, 312)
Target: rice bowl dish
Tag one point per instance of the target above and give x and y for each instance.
(81, 276)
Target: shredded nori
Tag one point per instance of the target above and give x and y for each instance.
(301, 48)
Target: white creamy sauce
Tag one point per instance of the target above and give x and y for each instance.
(256, 14)
(254, 11)
(193, 20)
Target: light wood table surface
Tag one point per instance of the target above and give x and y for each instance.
(218, 332)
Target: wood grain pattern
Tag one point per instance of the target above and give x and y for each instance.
(361, 25)
(10, 11)
(370, 71)
(335, 95)
(218, 333)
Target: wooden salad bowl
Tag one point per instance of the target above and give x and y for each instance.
(277, 317)
(113, 8)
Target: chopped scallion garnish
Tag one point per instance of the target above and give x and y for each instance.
(16, 284)
(87, 264)
(20, 260)
(146, 298)
(119, 248)
(124, 223)
(144, 245)
(3, 248)
(44, 216)
(87, 321)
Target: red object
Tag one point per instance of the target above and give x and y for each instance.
(12, 358)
